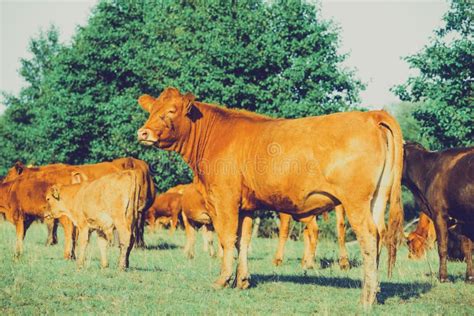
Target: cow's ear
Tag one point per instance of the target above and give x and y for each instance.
(19, 167)
(78, 177)
(189, 99)
(146, 102)
(55, 191)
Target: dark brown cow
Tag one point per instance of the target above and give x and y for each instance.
(443, 186)
(245, 161)
(22, 200)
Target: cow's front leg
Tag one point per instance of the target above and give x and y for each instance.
(68, 228)
(226, 222)
(190, 237)
(341, 238)
(83, 241)
(52, 225)
(20, 235)
(242, 278)
(310, 242)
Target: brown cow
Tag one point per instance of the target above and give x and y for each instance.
(310, 236)
(300, 166)
(165, 205)
(22, 201)
(443, 186)
(19, 169)
(422, 238)
(108, 203)
(195, 215)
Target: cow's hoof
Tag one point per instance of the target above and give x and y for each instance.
(470, 279)
(243, 283)
(221, 283)
(344, 263)
(190, 255)
(443, 280)
(277, 262)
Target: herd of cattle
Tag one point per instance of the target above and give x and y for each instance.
(352, 162)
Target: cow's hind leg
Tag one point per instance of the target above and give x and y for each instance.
(285, 220)
(310, 242)
(102, 242)
(466, 245)
(126, 245)
(362, 223)
(242, 278)
(442, 239)
(52, 225)
(341, 238)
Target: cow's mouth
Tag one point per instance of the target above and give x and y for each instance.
(147, 142)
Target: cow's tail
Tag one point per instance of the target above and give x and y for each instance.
(394, 234)
(133, 201)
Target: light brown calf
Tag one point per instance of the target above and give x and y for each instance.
(108, 203)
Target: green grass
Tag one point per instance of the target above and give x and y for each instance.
(162, 281)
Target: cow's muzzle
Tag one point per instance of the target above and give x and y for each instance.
(144, 136)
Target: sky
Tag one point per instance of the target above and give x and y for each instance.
(375, 33)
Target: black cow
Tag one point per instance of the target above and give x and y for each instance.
(443, 186)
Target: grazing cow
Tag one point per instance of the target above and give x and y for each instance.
(443, 186)
(310, 236)
(196, 215)
(165, 205)
(22, 201)
(108, 203)
(245, 161)
(422, 238)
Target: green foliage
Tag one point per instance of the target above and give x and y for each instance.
(445, 82)
(80, 105)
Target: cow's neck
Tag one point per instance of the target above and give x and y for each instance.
(211, 127)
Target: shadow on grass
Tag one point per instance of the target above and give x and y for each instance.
(328, 262)
(388, 289)
(160, 246)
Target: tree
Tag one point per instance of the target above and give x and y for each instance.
(275, 57)
(445, 83)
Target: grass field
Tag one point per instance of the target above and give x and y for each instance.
(162, 281)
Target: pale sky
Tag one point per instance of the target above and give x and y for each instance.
(375, 33)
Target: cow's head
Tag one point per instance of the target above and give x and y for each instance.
(416, 246)
(56, 206)
(170, 118)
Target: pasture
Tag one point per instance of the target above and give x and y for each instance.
(162, 281)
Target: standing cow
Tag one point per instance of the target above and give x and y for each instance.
(22, 201)
(245, 161)
(108, 203)
(443, 186)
